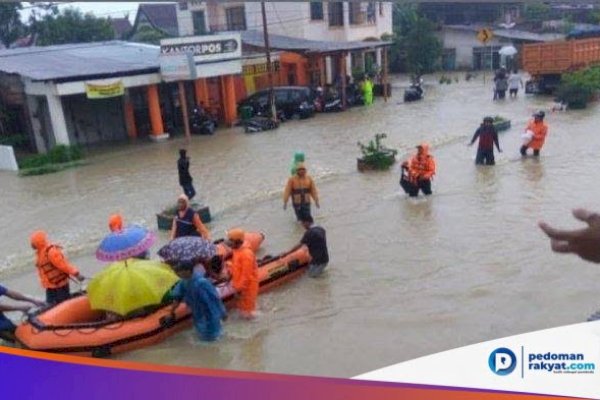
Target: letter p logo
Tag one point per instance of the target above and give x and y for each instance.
(502, 361)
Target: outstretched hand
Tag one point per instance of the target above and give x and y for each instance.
(583, 242)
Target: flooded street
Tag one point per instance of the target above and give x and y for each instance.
(407, 278)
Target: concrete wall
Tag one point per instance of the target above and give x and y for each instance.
(464, 42)
(185, 22)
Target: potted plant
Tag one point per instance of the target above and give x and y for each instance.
(501, 123)
(164, 219)
(375, 155)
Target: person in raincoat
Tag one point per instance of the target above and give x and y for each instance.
(422, 168)
(244, 273)
(407, 182)
(202, 298)
(367, 89)
(538, 130)
(301, 188)
(187, 222)
(53, 268)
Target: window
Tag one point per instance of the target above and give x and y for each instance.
(381, 8)
(371, 13)
(236, 19)
(198, 20)
(355, 13)
(316, 11)
(183, 5)
(336, 13)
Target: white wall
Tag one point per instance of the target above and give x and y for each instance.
(293, 19)
(463, 42)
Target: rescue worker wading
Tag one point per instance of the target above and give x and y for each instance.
(244, 273)
(53, 268)
(301, 188)
(540, 130)
(421, 169)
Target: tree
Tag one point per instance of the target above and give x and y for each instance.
(11, 27)
(537, 12)
(416, 49)
(71, 26)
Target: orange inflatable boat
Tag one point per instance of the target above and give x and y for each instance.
(72, 327)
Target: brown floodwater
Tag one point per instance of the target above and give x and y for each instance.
(407, 277)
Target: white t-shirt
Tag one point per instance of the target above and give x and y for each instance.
(514, 80)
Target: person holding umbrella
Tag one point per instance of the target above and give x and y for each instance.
(122, 243)
(187, 222)
(202, 298)
(53, 268)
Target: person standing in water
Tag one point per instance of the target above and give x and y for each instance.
(488, 137)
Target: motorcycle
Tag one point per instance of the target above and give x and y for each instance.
(202, 123)
(413, 93)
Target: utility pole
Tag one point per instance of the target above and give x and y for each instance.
(269, 66)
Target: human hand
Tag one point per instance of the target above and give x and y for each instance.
(317, 204)
(285, 206)
(24, 308)
(583, 242)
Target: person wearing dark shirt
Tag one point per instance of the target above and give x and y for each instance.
(487, 138)
(315, 239)
(185, 179)
(7, 328)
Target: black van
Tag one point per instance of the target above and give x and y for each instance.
(291, 100)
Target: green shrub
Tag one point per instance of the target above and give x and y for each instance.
(57, 155)
(577, 88)
(376, 155)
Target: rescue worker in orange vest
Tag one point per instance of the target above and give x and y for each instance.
(187, 222)
(301, 188)
(539, 129)
(53, 268)
(244, 273)
(422, 168)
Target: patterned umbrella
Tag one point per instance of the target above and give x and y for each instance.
(129, 242)
(187, 248)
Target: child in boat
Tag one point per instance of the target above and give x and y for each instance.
(202, 298)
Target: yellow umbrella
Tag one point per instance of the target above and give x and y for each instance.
(128, 285)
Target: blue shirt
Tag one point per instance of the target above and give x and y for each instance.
(203, 299)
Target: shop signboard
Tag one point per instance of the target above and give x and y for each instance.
(204, 49)
(177, 67)
(104, 90)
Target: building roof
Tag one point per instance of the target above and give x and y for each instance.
(514, 34)
(70, 62)
(121, 26)
(280, 42)
(161, 16)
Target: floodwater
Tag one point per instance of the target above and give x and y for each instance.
(406, 279)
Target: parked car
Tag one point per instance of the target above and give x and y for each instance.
(291, 100)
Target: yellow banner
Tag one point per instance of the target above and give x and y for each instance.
(96, 91)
